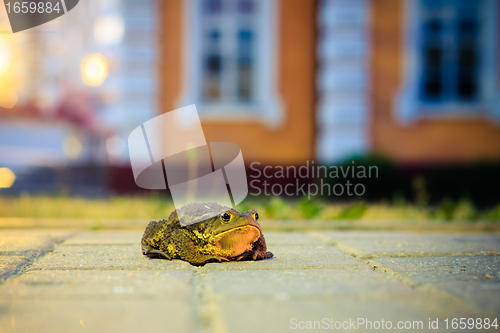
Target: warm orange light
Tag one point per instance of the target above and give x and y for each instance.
(8, 98)
(5, 56)
(7, 178)
(94, 69)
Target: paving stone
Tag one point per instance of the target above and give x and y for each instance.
(466, 281)
(95, 315)
(103, 257)
(275, 297)
(326, 284)
(85, 284)
(99, 281)
(97, 301)
(462, 268)
(281, 316)
(10, 264)
(380, 244)
(17, 247)
(105, 237)
(29, 240)
(289, 238)
(294, 257)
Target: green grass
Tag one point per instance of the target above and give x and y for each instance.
(155, 207)
(150, 207)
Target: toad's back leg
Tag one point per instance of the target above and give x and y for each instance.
(151, 240)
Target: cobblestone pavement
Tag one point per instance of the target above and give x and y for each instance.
(98, 281)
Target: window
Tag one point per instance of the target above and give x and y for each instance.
(449, 50)
(228, 51)
(452, 58)
(230, 67)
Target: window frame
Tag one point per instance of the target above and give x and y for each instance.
(267, 106)
(410, 107)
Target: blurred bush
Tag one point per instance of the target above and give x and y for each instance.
(427, 185)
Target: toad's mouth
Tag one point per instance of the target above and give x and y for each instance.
(241, 229)
(243, 226)
(239, 239)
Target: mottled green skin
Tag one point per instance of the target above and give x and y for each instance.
(211, 240)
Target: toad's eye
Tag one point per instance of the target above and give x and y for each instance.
(225, 217)
(256, 216)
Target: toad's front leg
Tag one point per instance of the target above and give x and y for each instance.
(258, 251)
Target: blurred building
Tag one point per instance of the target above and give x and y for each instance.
(250, 68)
(288, 81)
(72, 89)
(415, 81)
(435, 80)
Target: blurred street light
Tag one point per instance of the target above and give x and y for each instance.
(94, 69)
(5, 56)
(109, 30)
(7, 178)
(8, 96)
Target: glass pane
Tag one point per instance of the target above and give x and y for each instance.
(245, 64)
(450, 50)
(246, 6)
(431, 88)
(467, 74)
(468, 46)
(212, 67)
(432, 77)
(212, 7)
(228, 49)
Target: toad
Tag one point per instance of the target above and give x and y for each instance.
(206, 232)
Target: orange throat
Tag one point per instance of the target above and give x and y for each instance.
(238, 240)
